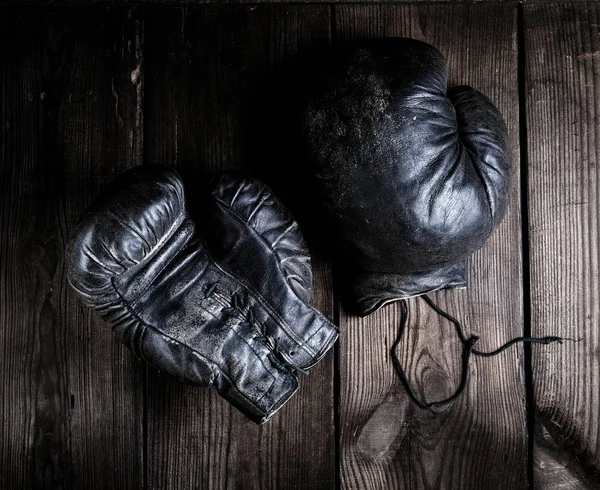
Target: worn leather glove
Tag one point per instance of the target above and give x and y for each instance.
(413, 179)
(231, 311)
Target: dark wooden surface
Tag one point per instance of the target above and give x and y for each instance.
(60, 3)
(87, 92)
(71, 398)
(563, 107)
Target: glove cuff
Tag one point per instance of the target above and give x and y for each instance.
(283, 388)
(369, 291)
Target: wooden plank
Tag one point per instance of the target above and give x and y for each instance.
(202, 69)
(479, 441)
(228, 2)
(563, 107)
(246, 2)
(70, 397)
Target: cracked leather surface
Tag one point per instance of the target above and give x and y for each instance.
(229, 309)
(413, 178)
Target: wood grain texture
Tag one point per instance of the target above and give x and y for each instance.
(479, 441)
(203, 67)
(229, 2)
(563, 107)
(70, 397)
(242, 2)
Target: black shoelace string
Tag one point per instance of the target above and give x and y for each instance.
(468, 350)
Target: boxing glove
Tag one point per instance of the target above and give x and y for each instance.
(230, 310)
(412, 178)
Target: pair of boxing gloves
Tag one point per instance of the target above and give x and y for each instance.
(412, 181)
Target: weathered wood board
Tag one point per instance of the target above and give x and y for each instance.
(479, 441)
(71, 398)
(563, 132)
(179, 3)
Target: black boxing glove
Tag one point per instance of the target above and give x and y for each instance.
(413, 179)
(231, 311)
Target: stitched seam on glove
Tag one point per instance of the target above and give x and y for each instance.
(326, 344)
(388, 301)
(273, 378)
(152, 255)
(265, 304)
(269, 245)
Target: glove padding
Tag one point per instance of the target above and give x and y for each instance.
(230, 312)
(412, 179)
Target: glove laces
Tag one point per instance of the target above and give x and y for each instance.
(275, 356)
(469, 349)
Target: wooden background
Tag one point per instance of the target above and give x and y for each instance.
(88, 92)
